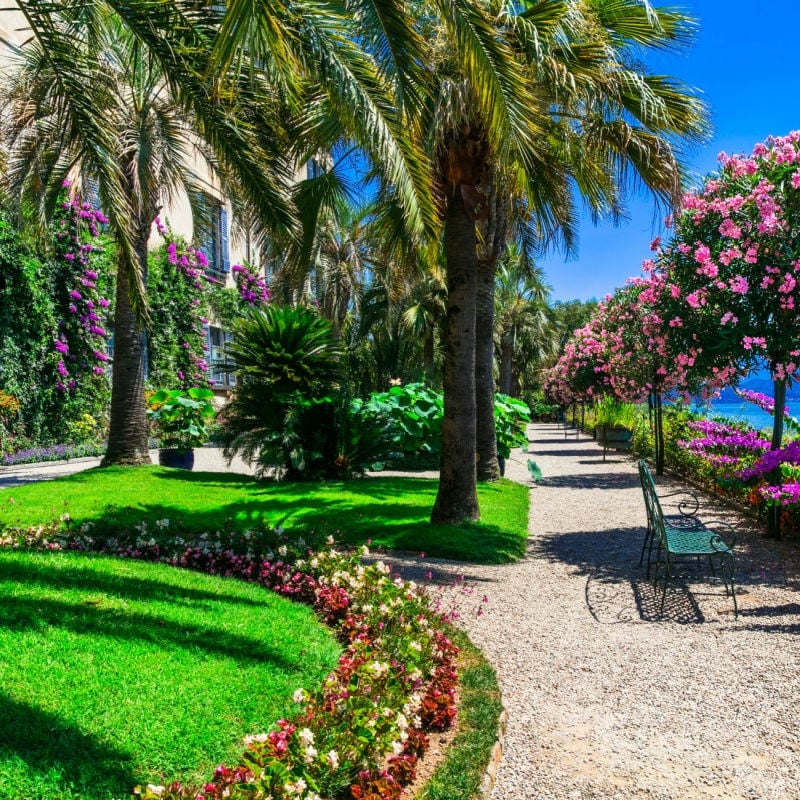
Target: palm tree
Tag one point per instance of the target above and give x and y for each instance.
(149, 162)
(239, 73)
(553, 95)
(524, 327)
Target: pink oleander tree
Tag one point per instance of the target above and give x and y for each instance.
(577, 376)
(732, 271)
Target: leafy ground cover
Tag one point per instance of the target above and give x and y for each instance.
(116, 671)
(388, 511)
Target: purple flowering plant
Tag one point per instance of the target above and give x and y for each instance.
(81, 340)
(179, 289)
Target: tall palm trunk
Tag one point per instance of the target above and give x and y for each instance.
(493, 223)
(127, 436)
(488, 468)
(505, 367)
(457, 498)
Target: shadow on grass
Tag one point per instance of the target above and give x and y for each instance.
(118, 585)
(48, 745)
(389, 512)
(20, 613)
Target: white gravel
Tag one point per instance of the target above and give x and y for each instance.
(605, 698)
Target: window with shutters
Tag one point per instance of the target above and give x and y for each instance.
(219, 362)
(212, 235)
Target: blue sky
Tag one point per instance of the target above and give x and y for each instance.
(746, 61)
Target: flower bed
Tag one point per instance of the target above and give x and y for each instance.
(56, 452)
(362, 732)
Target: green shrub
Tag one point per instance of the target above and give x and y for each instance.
(287, 412)
(511, 417)
(414, 413)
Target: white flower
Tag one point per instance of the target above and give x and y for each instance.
(306, 736)
(330, 540)
(282, 550)
(309, 754)
(256, 737)
(415, 646)
(162, 523)
(364, 550)
(299, 696)
(296, 788)
(157, 790)
(378, 669)
(333, 759)
(415, 676)
(397, 748)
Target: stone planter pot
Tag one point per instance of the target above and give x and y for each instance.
(614, 437)
(178, 459)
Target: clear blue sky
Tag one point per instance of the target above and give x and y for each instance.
(746, 62)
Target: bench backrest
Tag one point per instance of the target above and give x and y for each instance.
(655, 515)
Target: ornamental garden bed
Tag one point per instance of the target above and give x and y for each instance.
(359, 734)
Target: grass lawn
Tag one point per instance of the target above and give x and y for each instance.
(391, 512)
(115, 672)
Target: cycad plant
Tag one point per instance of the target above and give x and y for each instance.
(287, 415)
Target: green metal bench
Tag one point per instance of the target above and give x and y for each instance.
(678, 537)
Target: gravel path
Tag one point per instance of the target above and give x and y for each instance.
(605, 698)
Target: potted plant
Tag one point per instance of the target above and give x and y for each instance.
(181, 420)
(614, 422)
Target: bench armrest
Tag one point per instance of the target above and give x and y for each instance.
(686, 507)
(727, 541)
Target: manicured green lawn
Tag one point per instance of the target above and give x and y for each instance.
(391, 512)
(115, 672)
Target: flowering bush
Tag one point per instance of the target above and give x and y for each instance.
(82, 337)
(178, 287)
(55, 452)
(252, 288)
(732, 267)
(361, 733)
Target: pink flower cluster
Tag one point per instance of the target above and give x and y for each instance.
(81, 342)
(734, 262)
(252, 287)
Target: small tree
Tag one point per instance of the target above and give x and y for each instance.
(732, 271)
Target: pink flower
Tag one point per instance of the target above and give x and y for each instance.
(739, 285)
(730, 228)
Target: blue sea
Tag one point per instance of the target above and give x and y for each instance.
(747, 411)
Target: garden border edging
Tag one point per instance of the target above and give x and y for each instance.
(490, 773)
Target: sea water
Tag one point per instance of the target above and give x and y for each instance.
(748, 412)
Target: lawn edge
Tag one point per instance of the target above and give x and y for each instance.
(476, 751)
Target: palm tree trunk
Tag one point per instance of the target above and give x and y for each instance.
(488, 468)
(505, 370)
(457, 498)
(127, 436)
(428, 353)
